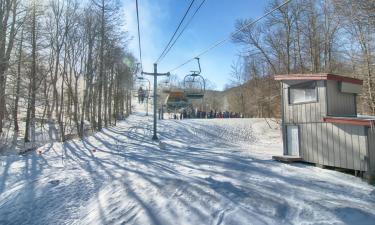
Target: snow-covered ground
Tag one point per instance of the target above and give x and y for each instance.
(205, 172)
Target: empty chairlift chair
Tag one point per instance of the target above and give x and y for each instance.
(194, 84)
(166, 86)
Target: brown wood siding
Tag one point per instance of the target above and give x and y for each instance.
(339, 104)
(305, 113)
(371, 148)
(338, 145)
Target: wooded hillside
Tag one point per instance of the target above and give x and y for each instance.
(64, 67)
(305, 36)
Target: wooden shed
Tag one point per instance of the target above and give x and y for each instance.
(320, 122)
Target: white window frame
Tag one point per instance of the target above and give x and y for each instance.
(300, 86)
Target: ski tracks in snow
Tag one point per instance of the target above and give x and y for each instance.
(210, 172)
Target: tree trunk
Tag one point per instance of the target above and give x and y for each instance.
(18, 82)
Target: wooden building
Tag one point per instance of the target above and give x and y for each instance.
(320, 122)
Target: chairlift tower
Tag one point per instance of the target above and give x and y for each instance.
(155, 74)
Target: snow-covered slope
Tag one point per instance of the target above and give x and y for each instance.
(209, 172)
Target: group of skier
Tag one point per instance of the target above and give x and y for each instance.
(197, 114)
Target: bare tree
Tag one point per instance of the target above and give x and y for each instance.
(8, 20)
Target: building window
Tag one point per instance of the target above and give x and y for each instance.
(303, 93)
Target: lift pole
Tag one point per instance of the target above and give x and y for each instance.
(155, 74)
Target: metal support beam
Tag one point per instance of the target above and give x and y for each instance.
(155, 137)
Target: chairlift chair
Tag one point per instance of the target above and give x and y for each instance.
(166, 86)
(143, 83)
(194, 84)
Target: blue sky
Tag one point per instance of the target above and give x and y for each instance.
(214, 21)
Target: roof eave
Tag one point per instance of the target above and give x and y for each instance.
(349, 121)
(318, 76)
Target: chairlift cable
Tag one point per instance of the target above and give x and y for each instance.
(139, 35)
(220, 42)
(175, 32)
(183, 29)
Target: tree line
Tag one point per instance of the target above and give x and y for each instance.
(64, 65)
(304, 36)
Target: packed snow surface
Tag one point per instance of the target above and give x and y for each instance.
(215, 171)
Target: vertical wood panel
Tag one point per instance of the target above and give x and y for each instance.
(313, 112)
(356, 147)
(312, 137)
(304, 114)
(349, 147)
(363, 150)
(314, 142)
(295, 113)
(290, 111)
(325, 149)
(309, 142)
(342, 149)
(286, 108)
(371, 150)
(331, 154)
(302, 141)
(322, 100)
(319, 142)
(336, 144)
(339, 103)
(308, 116)
(306, 142)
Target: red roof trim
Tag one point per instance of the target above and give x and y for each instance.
(351, 121)
(319, 76)
(344, 79)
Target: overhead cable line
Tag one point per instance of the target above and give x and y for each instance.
(183, 29)
(139, 36)
(220, 42)
(174, 34)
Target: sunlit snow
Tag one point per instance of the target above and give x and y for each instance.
(216, 171)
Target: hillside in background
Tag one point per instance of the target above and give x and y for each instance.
(259, 97)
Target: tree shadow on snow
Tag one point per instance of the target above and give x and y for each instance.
(197, 174)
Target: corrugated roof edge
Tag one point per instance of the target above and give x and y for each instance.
(318, 76)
